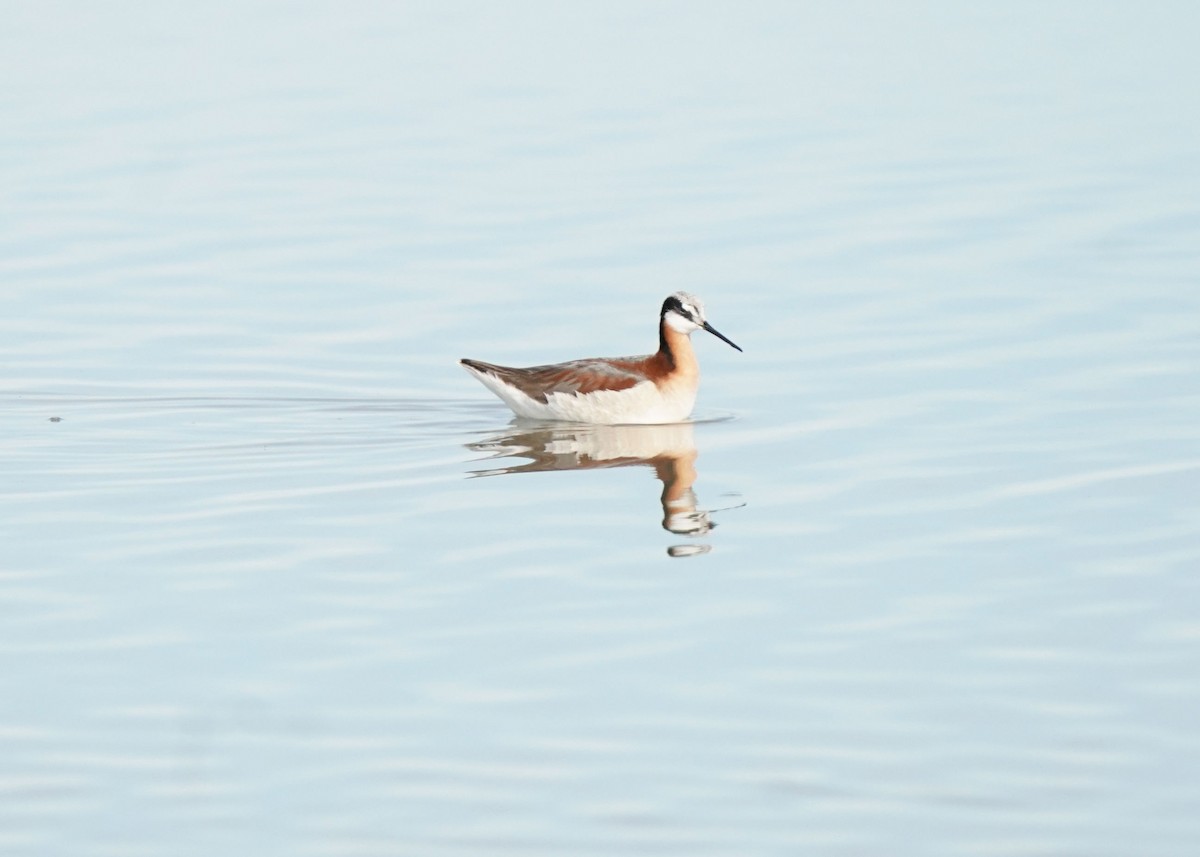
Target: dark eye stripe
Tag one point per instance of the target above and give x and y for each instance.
(673, 303)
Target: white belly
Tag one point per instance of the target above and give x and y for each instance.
(644, 403)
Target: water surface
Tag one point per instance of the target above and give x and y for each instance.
(280, 578)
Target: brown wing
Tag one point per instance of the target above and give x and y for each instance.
(578, 376)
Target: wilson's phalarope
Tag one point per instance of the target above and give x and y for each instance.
(659, 388)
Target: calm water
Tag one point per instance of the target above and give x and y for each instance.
(279, 578)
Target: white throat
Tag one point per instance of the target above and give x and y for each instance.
(679, 324)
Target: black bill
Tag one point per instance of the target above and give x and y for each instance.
(720, 335)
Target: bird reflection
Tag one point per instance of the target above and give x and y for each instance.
(669, 450)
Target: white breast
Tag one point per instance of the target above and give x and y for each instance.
(644, 403)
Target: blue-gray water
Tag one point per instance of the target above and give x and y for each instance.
(278, 577)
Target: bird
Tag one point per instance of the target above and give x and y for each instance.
(653, 389)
